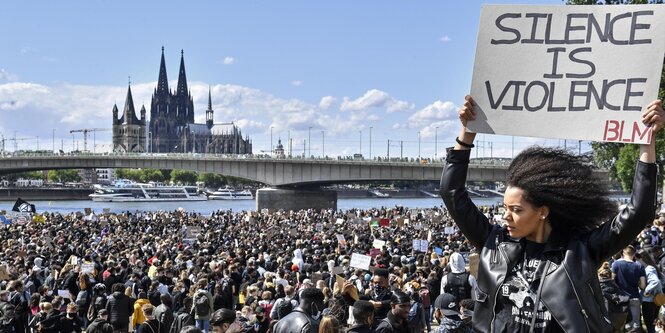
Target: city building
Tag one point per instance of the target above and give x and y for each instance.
(105, 176)
(172, 128)
(129, 131)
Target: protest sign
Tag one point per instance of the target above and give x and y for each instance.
(420, 245)
(191, 233)
(4, 274)
(340, 239)
(568, 72)
(378, 243)
(87, 268)
(337, 270)
(360, 261)
(374, 252)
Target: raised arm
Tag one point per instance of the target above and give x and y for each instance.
(614, 235)
(473, 224)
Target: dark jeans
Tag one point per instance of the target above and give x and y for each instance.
(650, 313)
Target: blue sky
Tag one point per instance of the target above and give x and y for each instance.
(339, 67)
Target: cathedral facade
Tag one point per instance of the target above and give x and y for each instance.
(171, 128)
(129, 134)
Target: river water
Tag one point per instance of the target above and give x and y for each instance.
(206, 207)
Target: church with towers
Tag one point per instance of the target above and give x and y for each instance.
(171, 128)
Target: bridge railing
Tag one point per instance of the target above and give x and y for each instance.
(255, 157)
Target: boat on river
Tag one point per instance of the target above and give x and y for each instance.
(231, 194)
(124, 190)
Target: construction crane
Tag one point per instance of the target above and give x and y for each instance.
(16, 140)
(85, 132)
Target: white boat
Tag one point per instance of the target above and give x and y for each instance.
(124, 190)
(230, 194)
(379, 194)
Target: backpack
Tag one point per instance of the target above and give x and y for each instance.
(283, 308)
(457, 284)
(226, 286)
(202, 305)
(424, 297)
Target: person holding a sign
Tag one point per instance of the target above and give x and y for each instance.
(537, 270)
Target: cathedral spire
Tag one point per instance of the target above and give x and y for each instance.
(182, 77)
(209, 112)
(129, 114)
(162, 82)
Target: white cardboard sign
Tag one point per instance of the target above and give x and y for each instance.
(360, 261)
(569, 72)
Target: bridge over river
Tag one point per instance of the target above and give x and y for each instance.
(293, 180)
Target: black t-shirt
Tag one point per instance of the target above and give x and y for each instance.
(517, 294)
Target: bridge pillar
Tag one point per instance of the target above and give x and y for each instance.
(295, 199)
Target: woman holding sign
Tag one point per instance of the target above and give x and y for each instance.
(537, 272)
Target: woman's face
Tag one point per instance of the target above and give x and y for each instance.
(523, 219)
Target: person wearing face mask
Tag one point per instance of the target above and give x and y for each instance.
(304, 318)
(71, 322)
(261, 320)
(363, 316)
(381, 293)
(396, 320)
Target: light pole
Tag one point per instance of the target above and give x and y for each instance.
(370, 142)
(309, 141)
(323, 145)
(418, 145)
(54, 140)
(436, 142)
(270, 140)
(361, 142)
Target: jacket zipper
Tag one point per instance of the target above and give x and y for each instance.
(495, 253)
(594, 296)
(496, 294)
(577, 297)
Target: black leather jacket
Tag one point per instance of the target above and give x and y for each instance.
(297, 322)
(571, 290)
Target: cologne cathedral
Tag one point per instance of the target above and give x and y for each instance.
(171, 128)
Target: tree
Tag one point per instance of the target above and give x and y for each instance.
(151, 175)
(183, 177)
(64, 176)
(212, 179)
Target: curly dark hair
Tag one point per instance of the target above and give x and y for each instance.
(578, 201)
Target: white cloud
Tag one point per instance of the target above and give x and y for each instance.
(445, 39)
(229, 61)
(375, 98)
(397, 106)
(66, 107)
(296, 83)
(372, 98)
(437, 111)
(7, 76)
(326, 102)
(27, 49)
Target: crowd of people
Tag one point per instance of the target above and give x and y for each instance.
(169, 272)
